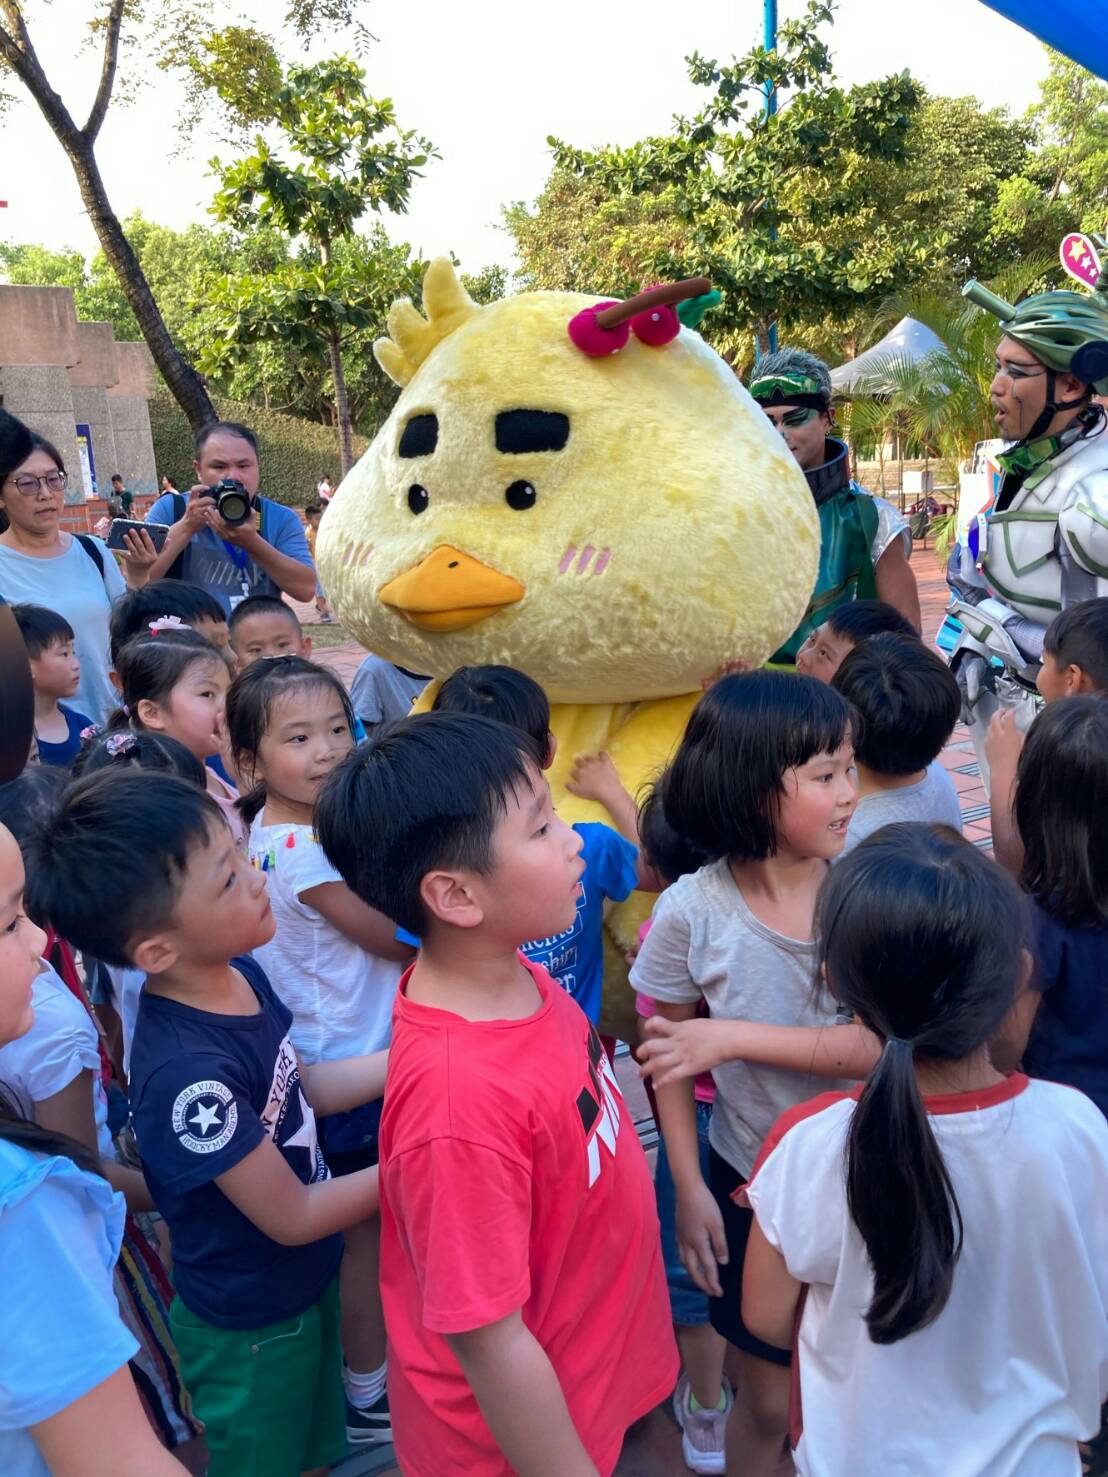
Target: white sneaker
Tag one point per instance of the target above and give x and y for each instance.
(701, 1430)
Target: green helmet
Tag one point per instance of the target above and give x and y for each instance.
(1066, 331)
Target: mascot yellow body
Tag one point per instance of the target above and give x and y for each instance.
(616, 527)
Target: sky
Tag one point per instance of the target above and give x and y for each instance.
(486, 82)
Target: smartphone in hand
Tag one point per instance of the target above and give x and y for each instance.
(157, 531)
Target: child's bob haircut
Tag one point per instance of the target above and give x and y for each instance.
(262, 605)
(858, 620)
(424, 793)
(136, 610)
(723, 789)
(41, 628)
(250, 702)
(907, 698)
(105, 824)
(1078, 637)
(502, 693)
(1062, 810)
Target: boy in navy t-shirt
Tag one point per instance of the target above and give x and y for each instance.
(223, 1113)
(613, 868)
(56, 673)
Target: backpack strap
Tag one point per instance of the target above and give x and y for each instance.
(176, 570)
(92, 550)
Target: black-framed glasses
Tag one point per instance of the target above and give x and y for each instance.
(29, 486)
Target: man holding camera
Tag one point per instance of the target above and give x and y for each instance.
(225, 536)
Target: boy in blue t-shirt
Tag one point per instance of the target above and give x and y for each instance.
(223, 1113)
(56, 673)
(613, 866)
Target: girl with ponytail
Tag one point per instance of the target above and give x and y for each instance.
(937, 1239)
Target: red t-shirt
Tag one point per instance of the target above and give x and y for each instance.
(512, 1178)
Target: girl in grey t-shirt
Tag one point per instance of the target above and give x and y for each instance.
(764, 783)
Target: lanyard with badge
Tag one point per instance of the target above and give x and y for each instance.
(240, 559)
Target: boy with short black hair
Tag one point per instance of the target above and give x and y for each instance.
(122, 496)
(828, 646)
(56, 674)
(520, 1266)
(264, 625)
(222, 1111)
(190, 603)
(1075, 663)
(908, 703)
(613, 866)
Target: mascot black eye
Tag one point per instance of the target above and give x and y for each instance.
(521, 496)
(417, 498)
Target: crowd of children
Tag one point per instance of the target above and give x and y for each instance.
(319, 1144)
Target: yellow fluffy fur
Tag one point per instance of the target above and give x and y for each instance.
(672, 532)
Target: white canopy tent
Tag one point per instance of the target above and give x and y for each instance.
(910, 340)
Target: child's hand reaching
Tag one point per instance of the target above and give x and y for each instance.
(674, 1050)
(595, 777)
(1003, 742)
(733, 668)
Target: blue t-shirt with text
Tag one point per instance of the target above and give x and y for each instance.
(229, 576)
(205, 1090)
(575, 958)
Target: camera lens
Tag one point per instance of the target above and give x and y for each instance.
(233, 506)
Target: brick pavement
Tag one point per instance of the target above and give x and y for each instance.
(653, 1446)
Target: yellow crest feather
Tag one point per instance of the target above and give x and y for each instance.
(411, 336)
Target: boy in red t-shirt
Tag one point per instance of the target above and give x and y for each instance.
(520, 1266)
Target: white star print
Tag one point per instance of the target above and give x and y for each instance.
(204, 1118)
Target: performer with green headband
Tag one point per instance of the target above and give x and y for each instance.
(864, 542)
(1044, 544)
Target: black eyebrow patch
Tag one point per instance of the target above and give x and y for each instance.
(420, 436)
(531, 430)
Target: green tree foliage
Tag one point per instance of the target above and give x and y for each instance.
(343, 156)
(759, 193)
(187, 270)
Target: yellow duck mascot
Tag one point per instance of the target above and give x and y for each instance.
(584, 490)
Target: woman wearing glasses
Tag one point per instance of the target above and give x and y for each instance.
(76, 577)
(864, 542)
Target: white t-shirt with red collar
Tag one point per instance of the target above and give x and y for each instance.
(1013, 1371)
(512, 1178)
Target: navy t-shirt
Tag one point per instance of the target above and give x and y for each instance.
(1069, 1040)
(63, 754)
(205, 1089)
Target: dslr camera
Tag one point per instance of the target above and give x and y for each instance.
(232, 501)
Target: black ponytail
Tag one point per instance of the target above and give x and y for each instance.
(901, 1199)
(920, 935)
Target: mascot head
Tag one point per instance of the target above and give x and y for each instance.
(577, 488)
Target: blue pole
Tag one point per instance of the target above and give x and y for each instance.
(770, 44)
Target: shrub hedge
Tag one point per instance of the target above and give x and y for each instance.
(294, 453)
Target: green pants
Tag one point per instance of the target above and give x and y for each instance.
(271, 1398)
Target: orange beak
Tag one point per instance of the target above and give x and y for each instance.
(449, 590)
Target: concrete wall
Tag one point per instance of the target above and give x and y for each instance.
(38, 325)
(57, 373)
(134, 446)
(41, 396)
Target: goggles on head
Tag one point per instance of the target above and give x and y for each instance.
(789, 389)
